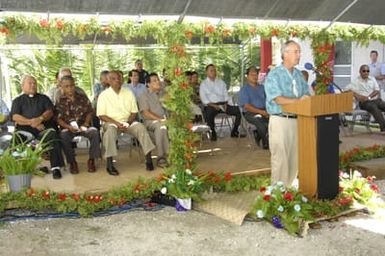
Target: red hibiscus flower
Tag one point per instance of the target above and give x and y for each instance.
(44, 23)
(370, 179)
(45, 194)
(188, 34)
(228, 176)
(266, 197)
(345, 200)
(60, 24)
(288, 196)
(262, 189)
(375, 188)
(75, 196)
(62, 197)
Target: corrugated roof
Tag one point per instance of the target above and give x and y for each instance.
(360, 11)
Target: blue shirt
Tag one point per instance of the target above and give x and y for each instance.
(137, 90)
(253, 95)
(280, 82)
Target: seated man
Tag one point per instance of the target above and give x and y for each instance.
(117, 108)
(367, 93)
(154, 117)
(74, 116)
(213, 93)
(55, 92)
(33, 113)
(253, 102)
(134, 85)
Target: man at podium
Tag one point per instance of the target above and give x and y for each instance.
(285, 84)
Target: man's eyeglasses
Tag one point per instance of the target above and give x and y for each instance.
(365, 71)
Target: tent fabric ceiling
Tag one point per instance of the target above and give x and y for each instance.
(362, 11)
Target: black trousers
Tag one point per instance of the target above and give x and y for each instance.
(375, 107)
(261, 123)
(211, 112)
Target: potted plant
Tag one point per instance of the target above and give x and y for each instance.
(19, 161)
(184, 186)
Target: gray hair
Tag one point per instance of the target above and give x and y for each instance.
(285, 45)
(25, 77)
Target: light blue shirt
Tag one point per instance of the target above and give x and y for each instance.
(137, 90)
(280, 82)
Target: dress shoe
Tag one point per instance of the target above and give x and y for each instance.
(111, 168)
(74, 169)
(265, 142)
(91, 165)
(257, 138)
(213, 136)
(56, 174)
(112, 171)
(149, 166)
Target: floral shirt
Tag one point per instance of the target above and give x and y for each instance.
(76, 110)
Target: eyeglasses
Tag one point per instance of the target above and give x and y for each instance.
(365, 71)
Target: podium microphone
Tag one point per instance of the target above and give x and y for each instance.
(310, 66)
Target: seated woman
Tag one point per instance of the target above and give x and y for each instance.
(74, 116)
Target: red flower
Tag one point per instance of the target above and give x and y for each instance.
(184, 86)
(97, 199)
(30, 192)
(370, 179)
(44, 23)
(228, 176)
(122, 201)
(288, 196)
(345, 200)
(5, 31)
(262, 189)
(62, 197)
(75, 196)
(209, 29)
(188, 34)
(266, 197)
(45, 194)
(357, 190)
(217, 179)
(294, 33)
(59, 24)
(275, 32)
(178, 71)
(375, 188)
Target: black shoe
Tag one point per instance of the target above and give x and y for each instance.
(111, 168)
(213, 136)
(257, 138)
(56, 174)
(265, 142)
(149, 166)
(112, 171)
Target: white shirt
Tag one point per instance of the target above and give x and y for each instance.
(363, 87)
(377, 69)
(213, 91)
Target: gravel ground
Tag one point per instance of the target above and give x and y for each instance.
(168, 232)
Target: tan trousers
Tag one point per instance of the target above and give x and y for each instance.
(284, 149)
(137, 130)
(161, 136)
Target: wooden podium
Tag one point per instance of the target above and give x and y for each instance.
(318, 142)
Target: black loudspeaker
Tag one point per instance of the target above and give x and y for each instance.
(328, 156)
